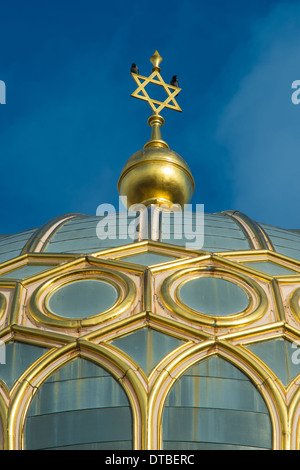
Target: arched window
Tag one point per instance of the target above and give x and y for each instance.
(215, 406)
(80, 406)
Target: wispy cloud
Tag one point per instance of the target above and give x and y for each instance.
(260, 127)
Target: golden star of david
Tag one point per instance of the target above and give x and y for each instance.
(157, 79)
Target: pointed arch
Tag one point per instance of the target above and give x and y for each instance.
(294, 418)
(3, 421)
(101, 356)
(238, 358)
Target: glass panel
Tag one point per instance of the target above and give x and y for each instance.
(217, 426)
(147, 347)
(147, 259)
(213, 296)
(25, 271)
(282, 356)
(270, 268)
(80, 406)
(285, 242)
(17, 239)
(81, 299)
(220, 232)
(9, 255)
(108, 426)
(80, 236)
(12, 245)
(215, 406)
(18, 357)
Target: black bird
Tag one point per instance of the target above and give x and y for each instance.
(174, 81)
(134, 68)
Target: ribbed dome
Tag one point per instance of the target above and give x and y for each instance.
(225, 231)
(95, 327)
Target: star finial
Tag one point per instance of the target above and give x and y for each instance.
(155, 78)
(156, 59)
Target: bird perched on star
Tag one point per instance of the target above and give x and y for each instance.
(174, 81)
(134, 68)
(155, 78)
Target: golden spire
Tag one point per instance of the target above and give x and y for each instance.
(156, 174)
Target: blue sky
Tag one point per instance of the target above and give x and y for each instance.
(69, 123)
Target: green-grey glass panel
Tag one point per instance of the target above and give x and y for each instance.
(25, 271)
(270, 268)
(80, 406)
(147, 259)
(115, 445)
(213, 296)
(83, 245)
(147, 347)
(18, 239)
(183, 445)
(75, 393)
(215, 393)
(8, 256)
(282, 356)
(80, 235)
(218, 426)
(215, 367)
(220, 243)
(87, 427)
(11, 245)
(215, 406)
(18, 357)
(284, 241)
(81, 299)
(280, 234)
(76, 369)
(220, 232)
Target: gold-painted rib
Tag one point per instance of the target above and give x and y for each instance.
(278, 301)
(266, 237)
(3, 418)
(16, 303)
(254, 233)
(147, 290)
(41, 236)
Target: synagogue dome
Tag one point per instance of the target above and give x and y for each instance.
(160, 329)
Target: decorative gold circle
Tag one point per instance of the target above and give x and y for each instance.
(185, 305)
(38, 303)
(294, 302)
(257, 305)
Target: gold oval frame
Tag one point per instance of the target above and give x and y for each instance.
(251, 313)
(125, 287)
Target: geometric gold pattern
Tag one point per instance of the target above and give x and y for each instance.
(150, 298)
(156, 79)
